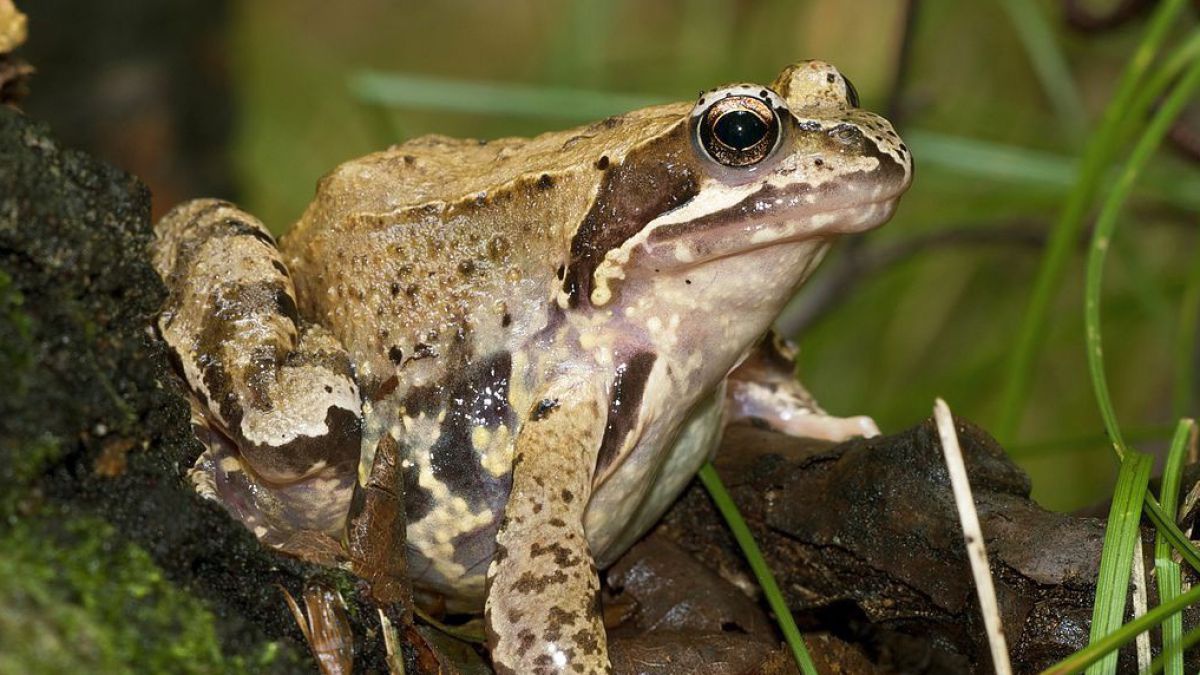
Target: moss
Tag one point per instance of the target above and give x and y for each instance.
(72, 596)
(108, 560)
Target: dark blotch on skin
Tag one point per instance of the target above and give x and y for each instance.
(652, 179)
(338, 448)
(422, 351)
(236, 228)
(563, 557)
(545, 182)
(476, 396)
(239, 304)
(628, 389)
(396, 355)
(525, 640)
(602, 163)
(568, 496)
(286, 305)
(529, 583)
(543, 409)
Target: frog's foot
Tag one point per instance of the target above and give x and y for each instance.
(276, 402)
(763, 390)
(543, 599)
(304, 519)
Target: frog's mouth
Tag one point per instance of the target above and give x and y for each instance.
(772, 216)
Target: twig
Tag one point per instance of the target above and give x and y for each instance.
(973, 536)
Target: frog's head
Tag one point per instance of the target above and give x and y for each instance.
(750, 179)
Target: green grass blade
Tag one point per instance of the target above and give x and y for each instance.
(1049, 64)
(766, 580)
(1190, 639)
(1170, 583)
(492, 98)
(1105, 226)
(1112, 586)
(992, 160)
(1067, 227)
(1167, 527)
(1085, 657)
(1045, 172)
(1102, 236)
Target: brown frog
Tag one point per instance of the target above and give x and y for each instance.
(534, 343)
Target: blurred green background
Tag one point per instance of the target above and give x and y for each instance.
(996, 99)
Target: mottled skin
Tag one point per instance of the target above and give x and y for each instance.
(525, 342)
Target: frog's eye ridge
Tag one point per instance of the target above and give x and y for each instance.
(738, 130)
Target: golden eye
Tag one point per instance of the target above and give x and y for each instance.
(739, 130)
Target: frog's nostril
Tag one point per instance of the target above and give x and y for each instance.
(846, 134)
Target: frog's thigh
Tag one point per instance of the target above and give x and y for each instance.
(542, 607)
(764, 390)
(279, 406)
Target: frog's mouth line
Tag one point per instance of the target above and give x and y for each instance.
(730, 236)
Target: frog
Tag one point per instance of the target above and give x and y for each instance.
(492, 365)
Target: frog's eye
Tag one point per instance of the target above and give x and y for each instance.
(851, 92)
(738, 130)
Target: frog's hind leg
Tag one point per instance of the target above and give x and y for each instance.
(763, 390)
(303, 519)
(275, 398)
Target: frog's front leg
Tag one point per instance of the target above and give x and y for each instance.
(764, 390)
(274, 398)
(542, 611)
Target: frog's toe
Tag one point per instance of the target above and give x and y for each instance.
(304, 519)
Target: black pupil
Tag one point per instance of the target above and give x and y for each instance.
(740, 129)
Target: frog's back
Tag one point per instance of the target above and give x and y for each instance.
(439, 244)
(440, 169)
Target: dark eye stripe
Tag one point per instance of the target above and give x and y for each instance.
(650, 181)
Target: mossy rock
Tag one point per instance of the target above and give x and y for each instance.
(108, 560)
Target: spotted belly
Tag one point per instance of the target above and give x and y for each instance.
(456, 446)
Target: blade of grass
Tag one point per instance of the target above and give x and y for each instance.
(1114, 566)
(1105, 226)
(766, 580)
(1112, 586)
(1097, 155)
(1085, 657)
(1189, 640)
(492, 98)
(1049, 64)
(1046, 172)
(993, 160)
(1167, 571)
